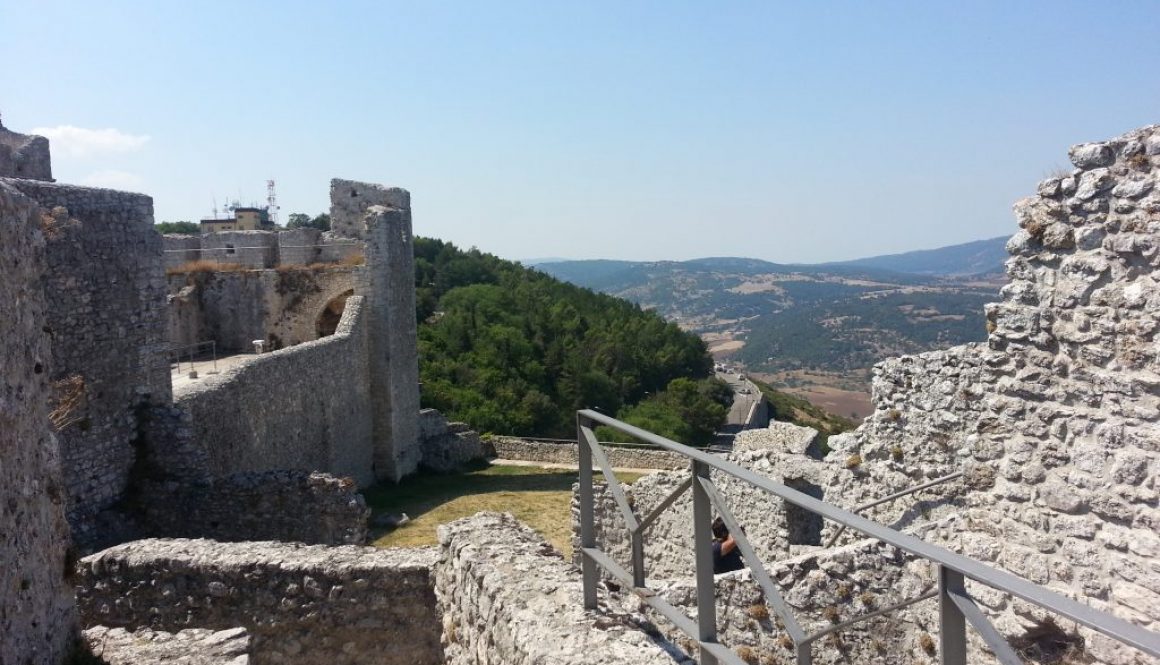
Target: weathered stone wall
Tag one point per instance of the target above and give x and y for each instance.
(388, 283)
(1057, 416)
(37, 618)
(24, 156)
(515, 448)
(249, 249)
(289, 506)
(305, 407)
(301, 604)
(350, 201)
(509, 597)
(105, 289)
(284, 307)
(446, 446)
(260, 249)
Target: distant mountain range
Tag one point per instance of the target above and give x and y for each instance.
(973, 258)
(835, 317)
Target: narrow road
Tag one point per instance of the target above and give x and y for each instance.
(745, 395)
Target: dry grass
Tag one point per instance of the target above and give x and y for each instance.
(204, 266)
(538, 497)
(356, 259)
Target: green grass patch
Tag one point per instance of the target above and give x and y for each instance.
(539, 497)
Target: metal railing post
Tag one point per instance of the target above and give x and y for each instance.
(703, 546)
(587, 515)
(952, 626)
(637, 558)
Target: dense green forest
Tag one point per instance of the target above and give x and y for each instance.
(686, 411)
(511, 350)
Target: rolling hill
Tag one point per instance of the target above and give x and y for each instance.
(838, 317)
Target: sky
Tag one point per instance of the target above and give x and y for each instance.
(804, 132)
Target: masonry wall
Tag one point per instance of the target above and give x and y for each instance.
(24, 156)
(288, 506)
(105, 291)
(388, 283)
(233, 308)
(351, 200)
(1056, 417)
(302, 605)
(506, 596)
(305, 407)
(514, 448)
(446, 446)
(37, 617)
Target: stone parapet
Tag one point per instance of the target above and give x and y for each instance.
(515, 448)
(509, 597)
(301, 604)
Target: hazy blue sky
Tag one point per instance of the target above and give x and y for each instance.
(806, 132)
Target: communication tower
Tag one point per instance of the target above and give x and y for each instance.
(271, 202)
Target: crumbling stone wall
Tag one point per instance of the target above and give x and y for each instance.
(283, 307)
(509, 597)
(446, 446)
(289, 506)
(1057, 416)
(301, 604)
(515, 448)
(105, 293)
(24, 156)
(305, 407)
(37, 618)
(350, 201)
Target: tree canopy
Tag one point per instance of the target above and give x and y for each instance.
(511, 350)
(186, 228)
(297, 220)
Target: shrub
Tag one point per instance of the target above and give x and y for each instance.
(853, 461)
(831, 614)
(758, 612)
(203, 267)
(926, 642)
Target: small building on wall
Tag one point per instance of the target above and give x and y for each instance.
(243, 219)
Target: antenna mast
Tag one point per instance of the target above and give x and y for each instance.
(271, 203)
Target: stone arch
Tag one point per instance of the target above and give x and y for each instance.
(326, 323)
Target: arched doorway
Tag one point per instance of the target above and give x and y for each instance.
(328, 319)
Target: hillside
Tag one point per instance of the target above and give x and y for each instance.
(980, 257)
(511, 350)
(777, 317)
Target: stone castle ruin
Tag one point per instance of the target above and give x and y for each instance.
(217, 519)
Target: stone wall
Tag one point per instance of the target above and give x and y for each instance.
(289, 506)
(301, 604)
(105, 292)
(260, 249)
(351, 200)
(1057, 415)
(305, 407)
(446, 446)
(37, 618)
(509, 597)
(283, 307)
(388, 283)
(514, 448)
(24, 156)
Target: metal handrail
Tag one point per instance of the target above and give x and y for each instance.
(955, 604)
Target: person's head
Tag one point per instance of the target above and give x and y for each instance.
(720, 531)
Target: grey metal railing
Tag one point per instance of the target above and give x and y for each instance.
(190, 352)
(956, 607)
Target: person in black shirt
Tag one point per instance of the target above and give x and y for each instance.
(726, 556)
